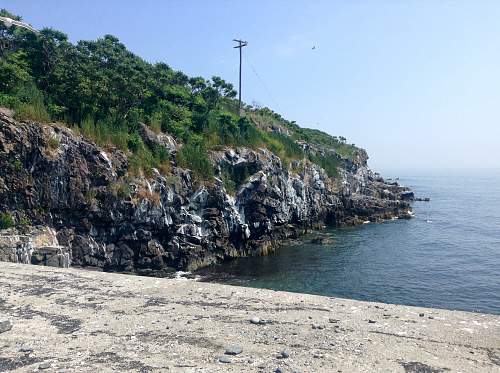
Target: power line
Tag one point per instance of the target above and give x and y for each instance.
(261, 80)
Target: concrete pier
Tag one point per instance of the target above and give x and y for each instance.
(71, 320)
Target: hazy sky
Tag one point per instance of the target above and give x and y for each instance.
(416, 83)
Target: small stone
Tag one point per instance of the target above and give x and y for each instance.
(371, 321)
(278, 370)
(224, 360)
(5, 326)
(234, 350)
(421, 314)
(431, 317)
(45, 365)
(284, 354)
(255, 320)
(333, 321)
(317, 326)
(26, 349)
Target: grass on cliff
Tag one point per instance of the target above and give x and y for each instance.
(6, 221)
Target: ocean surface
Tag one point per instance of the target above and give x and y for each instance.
(447, 256)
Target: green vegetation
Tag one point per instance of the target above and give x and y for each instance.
(6, 221)
(103, 91)
(329, 162)
(121, 189)
(193, 155)
(18, 166)
(234, 177)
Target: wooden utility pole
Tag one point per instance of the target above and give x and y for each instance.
(240, 46)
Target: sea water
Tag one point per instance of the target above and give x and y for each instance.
(447, 256)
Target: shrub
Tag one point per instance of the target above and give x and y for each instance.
(17, 164)
(134, 142)
(155, 125)
(30, 104)
(229, 184)
(120, 189)
(6, 220)
(193, 156)
(90, 196)
(140, 162)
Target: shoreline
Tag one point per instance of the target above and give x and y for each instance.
(81, 320)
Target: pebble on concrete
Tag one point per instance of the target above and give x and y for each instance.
(45, 365)
(255, 320)
(284, 354)
(234, 350)
(5, 326)
(224, 360)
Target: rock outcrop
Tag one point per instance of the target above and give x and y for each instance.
(102, 217)
(34, 245)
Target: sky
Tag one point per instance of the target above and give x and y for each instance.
(415, 83)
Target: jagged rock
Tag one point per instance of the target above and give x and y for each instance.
(35, 245)
(158, 223)
(157, 139)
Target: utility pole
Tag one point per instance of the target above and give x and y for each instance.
(240, 46)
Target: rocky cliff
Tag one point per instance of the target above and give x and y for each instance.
(56, 186)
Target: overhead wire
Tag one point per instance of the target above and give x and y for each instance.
(261, 80)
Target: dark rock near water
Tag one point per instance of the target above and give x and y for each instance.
(422, 199)
(73, 205)
(322, 240)
(407, 195)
